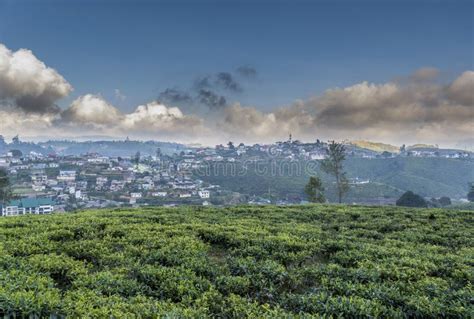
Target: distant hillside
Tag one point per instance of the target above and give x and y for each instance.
(114, 148)
(377, 147)
(106, 148)
(416, 146)
(389, 178)
(382, 147)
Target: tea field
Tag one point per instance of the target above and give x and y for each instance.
(310, 261)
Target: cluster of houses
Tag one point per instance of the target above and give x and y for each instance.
(55, 182)
(52, 183)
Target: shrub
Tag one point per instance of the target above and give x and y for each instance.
(410, 199)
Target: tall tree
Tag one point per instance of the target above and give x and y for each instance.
(333, 165)
(5, 188)
(470, 195)
(315, 190)
(136, 158)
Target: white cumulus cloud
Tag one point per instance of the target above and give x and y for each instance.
(416, 111)
(27, 83)
(92, 109)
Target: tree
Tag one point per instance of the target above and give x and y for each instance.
(410, 199)
(386, 154)
(136, 158)
(16, 153)
(315, 190)
(333, 165)
(5, 188)
(439, 202)
(444, 201)
(470, 195)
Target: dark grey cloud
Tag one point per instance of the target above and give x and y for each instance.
(247, 71)
(212, 99)
(210, 90)
(202, 82)
(38, 104)
(219, 81)
(227, 81)
(172, 95)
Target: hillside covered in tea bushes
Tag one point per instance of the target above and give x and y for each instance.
(239, 262)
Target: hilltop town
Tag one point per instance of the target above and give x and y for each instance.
(46, 178)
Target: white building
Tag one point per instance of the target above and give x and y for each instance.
(38, 187)
(116, 185)
(147, 186)
(101, 180)
(159, 194)
(67, 176)
(204, 194)
(27, 206)
(4, 162)
(39, 179)
(99, 160)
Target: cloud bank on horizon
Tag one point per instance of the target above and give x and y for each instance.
(417, 109)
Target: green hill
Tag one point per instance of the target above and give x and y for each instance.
(377, 147)
(389, 178)
(382, 147)
(415, 146)
(240, 262)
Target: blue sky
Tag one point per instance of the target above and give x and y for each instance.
(299, 48)
(389, 71)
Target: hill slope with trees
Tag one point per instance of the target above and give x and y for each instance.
(390, 178)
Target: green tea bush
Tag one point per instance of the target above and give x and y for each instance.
(314, 261)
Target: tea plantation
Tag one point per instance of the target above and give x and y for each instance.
(239, 262)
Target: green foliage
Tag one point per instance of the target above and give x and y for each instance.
(410, 199)
(5, 187)
(239, 262)
(443, 201)
(333, 165)
(315, 190)
(16, 153)
(470, 195)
